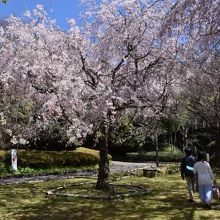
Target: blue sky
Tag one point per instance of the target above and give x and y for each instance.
(58, 9)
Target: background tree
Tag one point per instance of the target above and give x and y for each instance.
(37, 70)
(196, 28)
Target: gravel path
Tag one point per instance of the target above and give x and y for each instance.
(115, 167)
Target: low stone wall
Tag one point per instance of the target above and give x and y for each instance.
(154, 171)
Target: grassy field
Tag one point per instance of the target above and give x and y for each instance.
(166, 200)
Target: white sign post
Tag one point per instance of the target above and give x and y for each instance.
(14, 159)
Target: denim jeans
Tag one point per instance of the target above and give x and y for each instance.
(205, 192)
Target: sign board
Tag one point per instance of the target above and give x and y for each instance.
(14, 159)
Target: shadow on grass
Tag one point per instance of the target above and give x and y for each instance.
(167, 199)
(137, 208)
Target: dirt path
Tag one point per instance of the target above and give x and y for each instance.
(115, 167)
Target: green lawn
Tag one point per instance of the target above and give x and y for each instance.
(166, 200)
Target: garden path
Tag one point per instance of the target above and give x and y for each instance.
(115, 167)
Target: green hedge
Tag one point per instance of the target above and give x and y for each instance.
(48, 159)
(90, 152)
(151, 156)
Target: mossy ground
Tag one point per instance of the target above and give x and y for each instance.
(166, 200)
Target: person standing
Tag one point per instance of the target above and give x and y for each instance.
(187, 164)
(205, 180)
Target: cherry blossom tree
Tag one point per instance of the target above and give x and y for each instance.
(39, 64)
(196, 23)
(117, 61)
(15, 99)
(127, 56)
(133, 68)
(204, 96)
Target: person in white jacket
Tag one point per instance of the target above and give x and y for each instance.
(205, 177)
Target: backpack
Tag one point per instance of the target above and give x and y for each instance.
(189, 164)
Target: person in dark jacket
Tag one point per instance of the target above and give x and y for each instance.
(187, 164)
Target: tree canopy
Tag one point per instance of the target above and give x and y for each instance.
(138, 59)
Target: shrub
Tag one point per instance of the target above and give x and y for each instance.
(169, 148)
(49, 159)
(3, 168)
(2, 154)
(151, 156)
(95, 153)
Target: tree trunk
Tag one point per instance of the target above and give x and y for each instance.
(185, 137)
(103, 175)
(171, 138)
(157, 149)
(102, 182)
(217, 148)
(174, 138)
